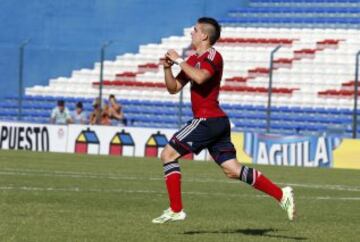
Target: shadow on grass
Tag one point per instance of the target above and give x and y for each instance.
(252, 232)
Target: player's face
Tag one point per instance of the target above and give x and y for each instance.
(197, 35)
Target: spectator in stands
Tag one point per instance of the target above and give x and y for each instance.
(116, 111)
(95, 115)
(105, 116)
(60, 114)
(100, 116)
(79, 115)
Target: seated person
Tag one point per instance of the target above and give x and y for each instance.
(99, 116)
(60, 114)
(95, 115)
(115, 110)
(79, 115)
(105, 116)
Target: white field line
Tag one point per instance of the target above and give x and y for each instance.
(90, 175)
(96, 190)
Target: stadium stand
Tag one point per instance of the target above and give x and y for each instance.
(313, 72)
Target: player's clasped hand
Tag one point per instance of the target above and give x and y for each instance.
(166, 62)
(172, 55)
(169, 58)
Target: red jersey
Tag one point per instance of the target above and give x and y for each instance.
(204, 97)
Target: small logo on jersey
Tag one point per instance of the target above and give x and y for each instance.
(190, 143)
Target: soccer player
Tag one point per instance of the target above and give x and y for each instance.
(210, 127)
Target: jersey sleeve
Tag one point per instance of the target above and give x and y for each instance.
(212, 63)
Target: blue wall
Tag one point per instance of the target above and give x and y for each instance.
(67, 34)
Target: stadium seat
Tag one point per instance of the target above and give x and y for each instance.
(312, 76)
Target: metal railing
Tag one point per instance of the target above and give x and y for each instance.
(356, 93)
(271, 68)
(181, 96)
(101, 77)
(21, 77)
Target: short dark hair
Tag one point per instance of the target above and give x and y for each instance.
(214, 32)
(79, 105)
(61, 103)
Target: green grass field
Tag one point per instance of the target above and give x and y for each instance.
(66, 197)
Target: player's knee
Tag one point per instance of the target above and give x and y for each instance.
(166, 156)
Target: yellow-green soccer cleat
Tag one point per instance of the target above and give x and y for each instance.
(169, 216)
(288, 202)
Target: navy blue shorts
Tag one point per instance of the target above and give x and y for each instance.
(201, 133)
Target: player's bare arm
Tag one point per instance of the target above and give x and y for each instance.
(199, 76)
(172, 84)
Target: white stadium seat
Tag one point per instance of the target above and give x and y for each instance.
(326, 69)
